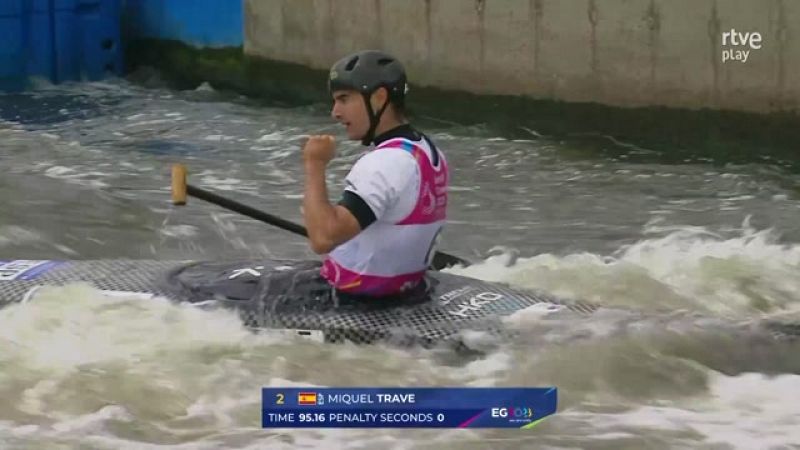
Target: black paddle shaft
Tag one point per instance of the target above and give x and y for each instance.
(440, 260)
(245, 210)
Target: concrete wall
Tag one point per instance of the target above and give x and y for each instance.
(615, 52)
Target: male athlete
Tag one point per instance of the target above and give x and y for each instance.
(379, 238)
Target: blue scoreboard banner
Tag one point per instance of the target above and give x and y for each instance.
(424, 407)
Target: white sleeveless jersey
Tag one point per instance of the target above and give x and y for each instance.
(408, 195)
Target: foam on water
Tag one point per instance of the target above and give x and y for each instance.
(11, 234)
(77, 361)
(81, 367)
(748, 272)
(80, 176)
(740, 412)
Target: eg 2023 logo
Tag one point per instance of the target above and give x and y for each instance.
(513, 414)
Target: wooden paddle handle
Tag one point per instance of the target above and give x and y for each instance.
(178, 184)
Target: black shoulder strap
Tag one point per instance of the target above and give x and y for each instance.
(434, 150)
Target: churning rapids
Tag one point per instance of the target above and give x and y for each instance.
(86, 175)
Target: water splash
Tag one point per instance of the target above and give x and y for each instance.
(738, 273)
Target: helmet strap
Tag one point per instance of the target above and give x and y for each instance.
(374, 119)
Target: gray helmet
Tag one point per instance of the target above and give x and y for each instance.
(365, 72)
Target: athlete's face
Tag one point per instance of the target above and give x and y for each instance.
(349, 110)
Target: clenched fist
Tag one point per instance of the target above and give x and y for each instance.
(319, 148)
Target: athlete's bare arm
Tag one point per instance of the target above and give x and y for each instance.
(328, 225)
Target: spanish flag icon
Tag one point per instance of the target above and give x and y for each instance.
(306, 398)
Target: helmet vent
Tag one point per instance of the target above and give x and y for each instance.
(351, 64)
(385, 61)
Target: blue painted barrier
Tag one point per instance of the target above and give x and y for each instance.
(12, 54)
(59, 40)
(200, 23)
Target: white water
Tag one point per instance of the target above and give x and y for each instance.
(83, 368)
(79, 369)
(739, 273)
